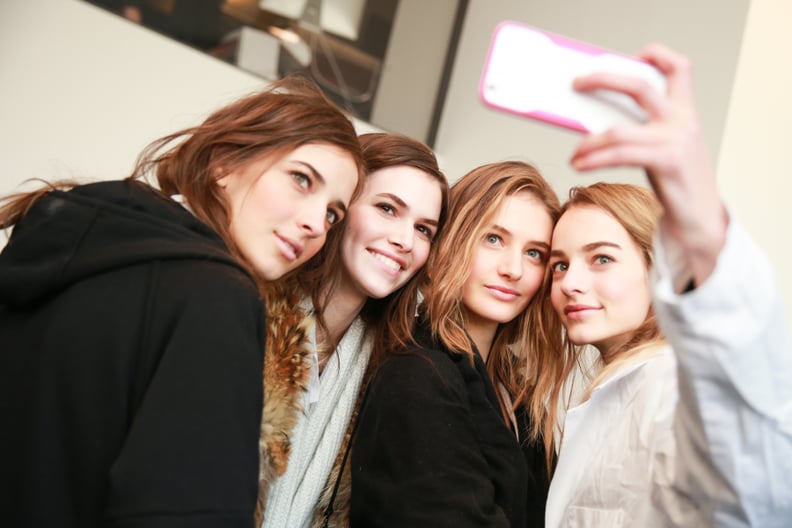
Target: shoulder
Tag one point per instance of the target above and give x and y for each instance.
(661, 366)
(655, 384)
(420, 370)
(210, 298)
(208, 278)
(422, 361)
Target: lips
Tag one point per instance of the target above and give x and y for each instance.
(576, 312)
(503, 293)
(288, 247)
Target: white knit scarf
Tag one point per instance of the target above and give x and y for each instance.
(317, 437)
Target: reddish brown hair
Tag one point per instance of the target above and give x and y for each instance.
(290, 113)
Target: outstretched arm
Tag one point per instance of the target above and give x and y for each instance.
(671, 149)
(733, 424)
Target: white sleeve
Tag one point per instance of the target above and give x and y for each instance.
(733, 425)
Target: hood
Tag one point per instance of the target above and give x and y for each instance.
(91, 229)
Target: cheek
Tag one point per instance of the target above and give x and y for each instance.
(557, 298)
(420, 254)
(616, 289)
(532, 280)
(271, 199)
(358, 226)
(312, 247)
(353, 240)
(467, 288)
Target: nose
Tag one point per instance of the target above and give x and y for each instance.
(312, 218)
(402, 236)
(510, 264)
(573, 281)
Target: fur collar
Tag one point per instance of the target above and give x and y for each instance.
(287, 370)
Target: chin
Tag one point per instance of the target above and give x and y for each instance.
(378, 291)
(501, 318)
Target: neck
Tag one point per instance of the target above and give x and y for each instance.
(483, 334)
(340, 310)
(609, 348)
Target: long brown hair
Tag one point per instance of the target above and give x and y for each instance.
(520, 346)
(289, 113)
(391, 317)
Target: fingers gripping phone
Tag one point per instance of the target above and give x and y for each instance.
(529, 72)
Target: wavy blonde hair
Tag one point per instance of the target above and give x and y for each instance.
(638, 211)
(520, 348)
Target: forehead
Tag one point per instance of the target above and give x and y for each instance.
(523, 215)
(584, 224)
(335, 165)
(417, 189)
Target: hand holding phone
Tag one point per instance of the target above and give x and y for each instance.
(529, 72)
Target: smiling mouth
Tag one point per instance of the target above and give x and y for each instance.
(387, 261)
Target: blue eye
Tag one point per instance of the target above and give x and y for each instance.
(603, 259)
(559, 267)
(535, 254)
(492, 239)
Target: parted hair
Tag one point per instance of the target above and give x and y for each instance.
(520, 347)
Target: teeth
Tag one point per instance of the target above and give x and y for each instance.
(392, 264)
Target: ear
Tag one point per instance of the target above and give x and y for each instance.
(221, 176)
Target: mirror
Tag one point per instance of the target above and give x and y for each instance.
(386, 62)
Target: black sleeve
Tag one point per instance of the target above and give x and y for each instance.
(416, 458)
(190, 457)
(538, 476)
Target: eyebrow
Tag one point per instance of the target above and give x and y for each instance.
(315, 173)
(588, 247)
(596, 245)
(403, 204)
(541, 243)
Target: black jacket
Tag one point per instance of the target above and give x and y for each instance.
(432, 449)
(131, 350)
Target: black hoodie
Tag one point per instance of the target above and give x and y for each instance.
(131, 350)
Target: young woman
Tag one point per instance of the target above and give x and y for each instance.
(444, 436)
(695, 431)
(362, 278)
(131, 320)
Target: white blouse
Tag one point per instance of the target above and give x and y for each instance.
(701, 433)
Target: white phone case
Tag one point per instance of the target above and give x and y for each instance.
(529, 72)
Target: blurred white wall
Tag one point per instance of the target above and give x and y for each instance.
(753, 169)
(83, 91)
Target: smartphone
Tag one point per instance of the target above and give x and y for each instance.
(529, 72)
